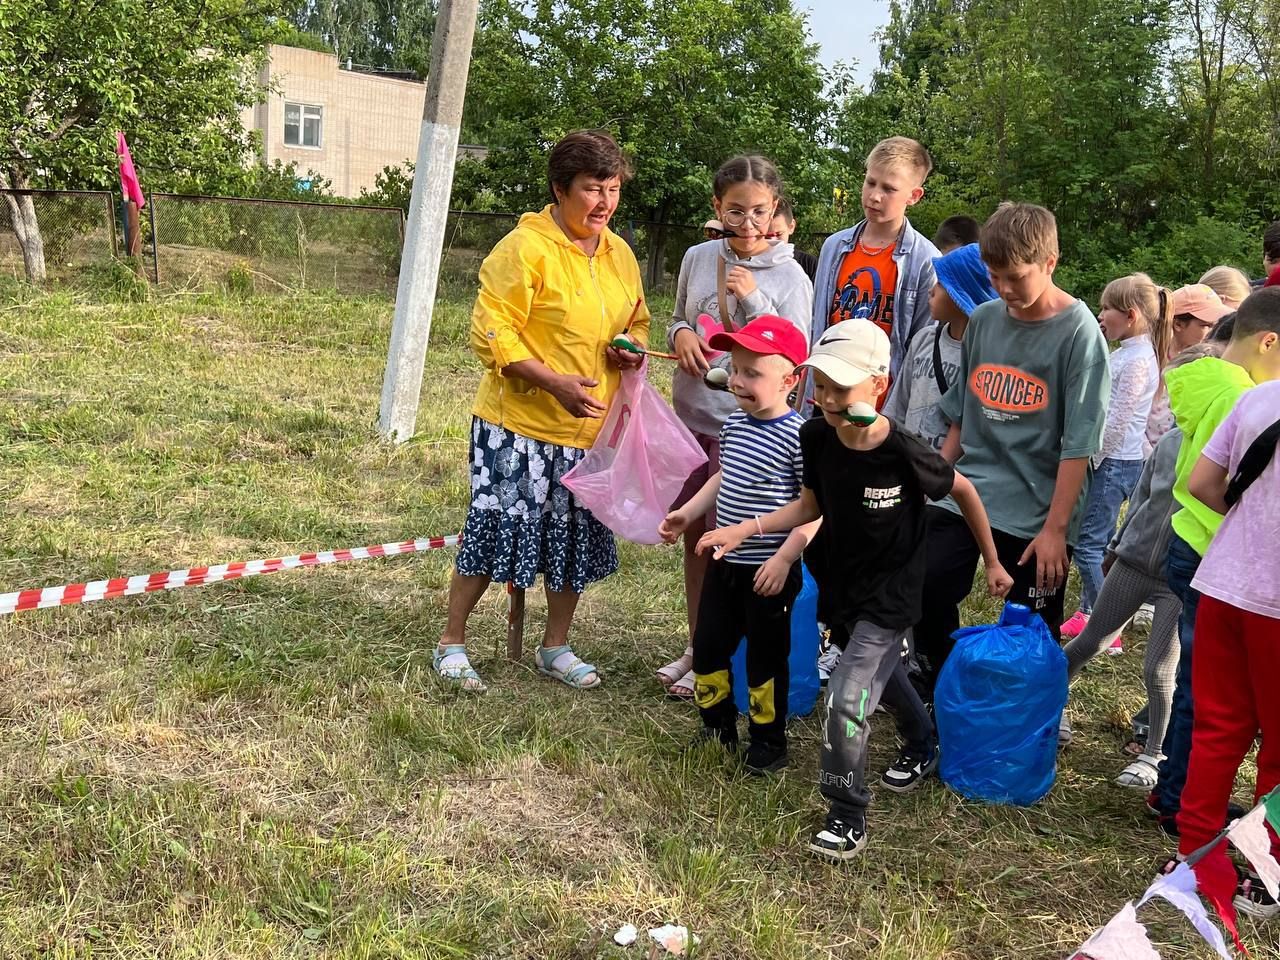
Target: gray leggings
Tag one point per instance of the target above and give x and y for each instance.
(1124, 590)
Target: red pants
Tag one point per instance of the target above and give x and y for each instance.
(1235, 686)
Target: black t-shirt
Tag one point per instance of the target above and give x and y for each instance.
(808, 263)
(869, 557)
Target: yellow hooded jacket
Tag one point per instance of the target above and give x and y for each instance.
(542, 298)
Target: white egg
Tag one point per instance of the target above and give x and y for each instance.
(718, 375)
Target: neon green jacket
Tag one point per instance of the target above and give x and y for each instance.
(1201, 394)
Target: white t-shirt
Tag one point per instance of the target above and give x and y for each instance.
(1135, 374)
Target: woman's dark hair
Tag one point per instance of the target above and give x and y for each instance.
(1271, 242)
(592, 152)
(749, 168)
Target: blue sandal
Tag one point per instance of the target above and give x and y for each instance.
(571, 672)
(451, 663)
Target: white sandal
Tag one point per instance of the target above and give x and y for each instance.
(1141, 774)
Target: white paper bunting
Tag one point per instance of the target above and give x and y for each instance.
(1179, 888)
(1249, 834)
(1123, 938)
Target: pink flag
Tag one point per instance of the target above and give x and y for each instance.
(128, 176)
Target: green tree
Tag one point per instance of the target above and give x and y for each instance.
(174, 75)
(1060, 102)
(683, 84)
(390, 34)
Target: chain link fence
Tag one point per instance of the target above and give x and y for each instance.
(274, 245)
(210, 243)
(244, 245)
(77, 227)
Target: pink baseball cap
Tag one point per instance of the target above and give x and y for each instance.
(767, 335)
(1201, 302)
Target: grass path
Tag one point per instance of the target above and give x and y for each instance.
(268, 769)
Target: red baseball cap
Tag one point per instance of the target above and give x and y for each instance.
(766, 335)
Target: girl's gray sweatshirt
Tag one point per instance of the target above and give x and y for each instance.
(1143, 539)
(782, 289)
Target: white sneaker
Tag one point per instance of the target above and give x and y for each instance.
(1144, 616)
(1064, 731)
(828, 660)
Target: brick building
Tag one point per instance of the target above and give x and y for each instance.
(346, 125)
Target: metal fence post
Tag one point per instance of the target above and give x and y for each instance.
(155, 247)
(110, 202)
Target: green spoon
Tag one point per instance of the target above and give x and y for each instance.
(621, 342)
(861, 414)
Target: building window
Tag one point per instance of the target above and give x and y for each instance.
(302, 124)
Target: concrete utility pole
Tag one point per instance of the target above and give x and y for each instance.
(424, 235)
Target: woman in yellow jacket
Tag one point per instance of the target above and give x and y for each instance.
(553, 293)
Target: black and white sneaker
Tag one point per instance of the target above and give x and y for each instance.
(839, 839)
(905, 773)
(1252, 897)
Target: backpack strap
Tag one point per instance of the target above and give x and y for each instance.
(1253, 462)
(937, 358)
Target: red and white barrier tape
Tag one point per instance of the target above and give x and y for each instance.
(72, 593)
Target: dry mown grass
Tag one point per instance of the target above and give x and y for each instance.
(268, 768)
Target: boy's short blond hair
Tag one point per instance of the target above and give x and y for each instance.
(902, 152)
(1018, 233)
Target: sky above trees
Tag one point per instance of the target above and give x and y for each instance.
(845, 30)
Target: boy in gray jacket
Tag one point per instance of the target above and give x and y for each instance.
(880, 269)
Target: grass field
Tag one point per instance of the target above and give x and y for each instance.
(269, 769)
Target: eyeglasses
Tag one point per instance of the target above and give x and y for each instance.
(736, 218)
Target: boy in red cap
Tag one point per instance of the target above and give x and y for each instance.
(750, 589)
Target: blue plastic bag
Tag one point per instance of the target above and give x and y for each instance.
(802, 693)
(998, 703)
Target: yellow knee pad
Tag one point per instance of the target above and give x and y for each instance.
(710, 688)
(761, 706)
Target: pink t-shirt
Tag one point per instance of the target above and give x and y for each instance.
(1242, 565)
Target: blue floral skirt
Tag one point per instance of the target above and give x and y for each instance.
(523, 521)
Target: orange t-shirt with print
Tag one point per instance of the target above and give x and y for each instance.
(865, 287)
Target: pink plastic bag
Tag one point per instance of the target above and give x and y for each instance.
(638, 464)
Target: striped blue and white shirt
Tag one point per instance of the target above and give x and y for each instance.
(760, 471)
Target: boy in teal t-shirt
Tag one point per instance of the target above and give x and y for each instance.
(1027, 410)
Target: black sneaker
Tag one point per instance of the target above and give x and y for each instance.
(727, 737)
(1168, 822)
(764, 758)
(905, 773)
(839, 839)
